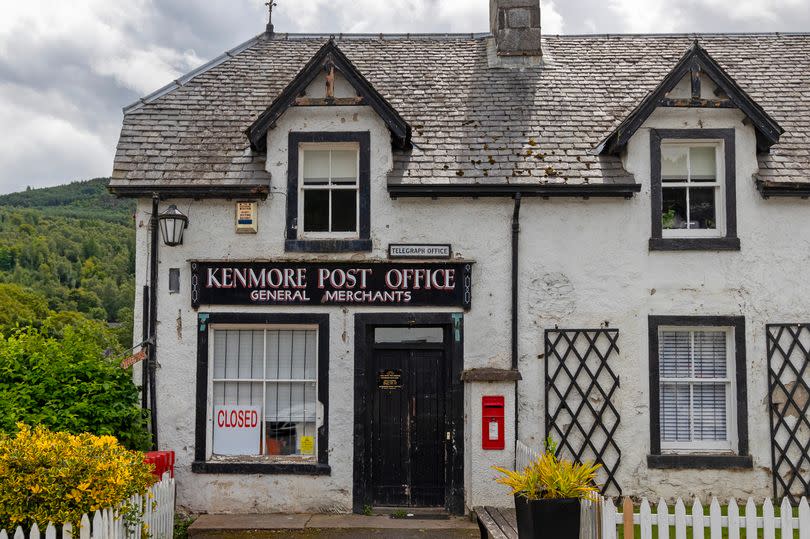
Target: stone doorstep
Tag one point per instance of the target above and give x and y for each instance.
(327, 525)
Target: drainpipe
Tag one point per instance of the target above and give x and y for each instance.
(515, 252)
(152, 358)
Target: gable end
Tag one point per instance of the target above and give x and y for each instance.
(330, 59)
(695, 62)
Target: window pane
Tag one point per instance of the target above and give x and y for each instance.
(311, 357)
(231, 354)
(316, 167)
(344, 166)
(701, 202)
(675, 354)
(238, 393)
(675, 413)
(344, 210)
(710, 354)
(674, 163)
(272, 355)
(286, 438)
(398, 335)
(220, 339)
(316, 211)
(285, 353)
(299, 354)
(710, 411)
(674, 207)
(703, 163)
(290, 417)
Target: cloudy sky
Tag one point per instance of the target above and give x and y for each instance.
(67, 67)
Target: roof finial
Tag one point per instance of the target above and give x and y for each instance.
(270, 5)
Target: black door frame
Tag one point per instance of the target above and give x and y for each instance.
(453, 325)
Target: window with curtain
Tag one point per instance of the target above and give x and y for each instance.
(696, 387)
(274, 372)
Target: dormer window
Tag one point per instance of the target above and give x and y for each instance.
(329, 185)
(691, 191)
(693, 195)
(328, 192)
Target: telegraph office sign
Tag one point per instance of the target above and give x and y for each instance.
(344, 283)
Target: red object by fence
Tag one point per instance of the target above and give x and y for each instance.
(163, 462)
(492, 426)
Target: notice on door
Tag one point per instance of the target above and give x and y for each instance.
(389, 379)
(237, 430)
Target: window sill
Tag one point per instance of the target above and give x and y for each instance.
(694, 244)
(327, 246)
(700, 462)
(203, 467)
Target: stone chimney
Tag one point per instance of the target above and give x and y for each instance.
(516, 27)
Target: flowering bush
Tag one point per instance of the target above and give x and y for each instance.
(56, 476)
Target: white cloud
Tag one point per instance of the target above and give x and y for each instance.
(552, 21)
(639, 16)
(657, 16)
(45, 146)
(146, 70)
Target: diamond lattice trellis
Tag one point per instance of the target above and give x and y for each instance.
(788, 349)
(580, 385)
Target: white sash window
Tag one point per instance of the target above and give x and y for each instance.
(696, 378)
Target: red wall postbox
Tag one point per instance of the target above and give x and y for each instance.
(492, 433)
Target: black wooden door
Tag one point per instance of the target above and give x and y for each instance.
(408, 433)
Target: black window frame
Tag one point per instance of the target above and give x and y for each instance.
(363, 243)
(740, 459)
(729, 242)
(203, 466)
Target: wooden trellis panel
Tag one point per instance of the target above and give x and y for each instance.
(788, 350)
(580, 385)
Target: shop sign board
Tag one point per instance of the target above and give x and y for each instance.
(413, 284)
(237, 430)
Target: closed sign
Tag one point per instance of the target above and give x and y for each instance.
(237, 430)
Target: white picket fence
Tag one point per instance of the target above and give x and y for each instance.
(712, 525)
(158, 519)
(524, 455)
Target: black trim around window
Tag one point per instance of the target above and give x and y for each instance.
(728, 243)
(740, 459)
(200, 465)
(363, 243)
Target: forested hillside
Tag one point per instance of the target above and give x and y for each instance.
(84, 199)
(71, 246)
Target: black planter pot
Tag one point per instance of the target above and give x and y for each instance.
(547, 519)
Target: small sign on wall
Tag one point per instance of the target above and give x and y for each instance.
(420, 250)
(389, 379)
(237, 430)
(246, 218)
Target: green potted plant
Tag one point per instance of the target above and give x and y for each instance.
(547, 494)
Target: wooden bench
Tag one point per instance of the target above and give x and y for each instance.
(496, 523)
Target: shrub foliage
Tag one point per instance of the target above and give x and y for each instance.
(59, 377)
(57, 477)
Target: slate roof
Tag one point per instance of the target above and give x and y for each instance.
(471, 124)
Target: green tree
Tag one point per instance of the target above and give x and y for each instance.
(20, 307)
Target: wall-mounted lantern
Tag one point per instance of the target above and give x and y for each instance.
(172, 224)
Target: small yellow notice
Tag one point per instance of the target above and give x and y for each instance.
(307, 445)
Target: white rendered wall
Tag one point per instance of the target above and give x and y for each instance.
(583, 263)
